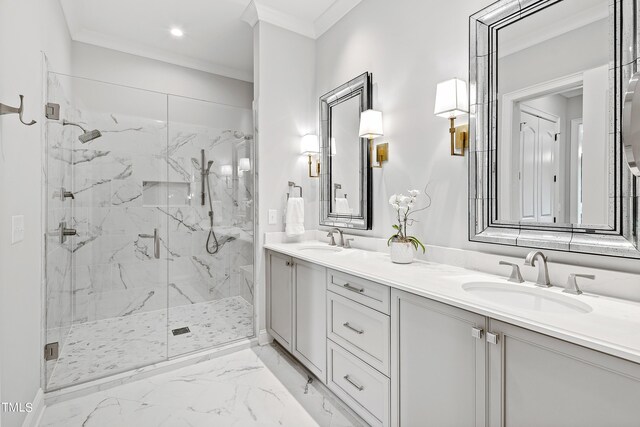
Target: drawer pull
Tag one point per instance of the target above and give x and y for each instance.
(353, 383)
(357, 331)
(353, 288)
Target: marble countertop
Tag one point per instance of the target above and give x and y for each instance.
(612, 326)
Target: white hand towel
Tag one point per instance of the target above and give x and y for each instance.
(295, 217)
(342, 206)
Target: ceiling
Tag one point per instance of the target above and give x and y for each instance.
(216, 37)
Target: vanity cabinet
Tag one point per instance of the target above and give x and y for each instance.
(399, 359)
(309, 324)
(537, 380)
(438, 363)
(280, 298)
(296, 312)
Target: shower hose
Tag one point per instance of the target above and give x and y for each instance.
(212, 247)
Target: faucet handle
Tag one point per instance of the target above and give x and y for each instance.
(515, 276)
(333, 240)
(347, 243)
(572, 283)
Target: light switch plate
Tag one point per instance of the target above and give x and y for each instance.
(273, 216)
(17, 228)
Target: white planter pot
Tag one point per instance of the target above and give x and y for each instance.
(402, 253)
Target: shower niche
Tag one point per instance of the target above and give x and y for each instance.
(111, 303)
(159, 194)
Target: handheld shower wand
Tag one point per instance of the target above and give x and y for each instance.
(205, 181)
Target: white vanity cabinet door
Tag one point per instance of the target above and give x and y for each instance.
(536, 380)
(310, 314)
(437, 365)
(280, 298)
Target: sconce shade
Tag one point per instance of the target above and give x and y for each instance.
(244, 164)
(333, 147)
(310, 145)
(226, 170)
(451, 99)
(371, 124)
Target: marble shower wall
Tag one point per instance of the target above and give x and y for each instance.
(120, 182)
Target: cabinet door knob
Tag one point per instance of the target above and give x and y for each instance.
(477, 333)
(492, 338)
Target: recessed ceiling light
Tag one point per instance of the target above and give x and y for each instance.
(177, 32)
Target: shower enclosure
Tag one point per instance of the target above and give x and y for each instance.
(129, 281)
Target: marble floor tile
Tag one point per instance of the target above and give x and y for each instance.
(94, 350)
(261, 386)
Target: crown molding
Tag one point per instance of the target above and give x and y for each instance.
(256, 11)
(331, 16)
(126, 46)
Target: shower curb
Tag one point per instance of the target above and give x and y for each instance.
(73, 392)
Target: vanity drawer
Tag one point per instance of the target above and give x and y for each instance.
(365, 292)
(361, 330)
(364, 389)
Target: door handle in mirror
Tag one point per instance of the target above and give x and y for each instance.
(631, 124)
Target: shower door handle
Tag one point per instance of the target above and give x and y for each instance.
(156, 242)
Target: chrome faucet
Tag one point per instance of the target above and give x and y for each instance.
(572, 284)
(515, 276)
(333, 241)
(543, 269)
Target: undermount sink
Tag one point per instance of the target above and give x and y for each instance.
(320, 249)
(518, 296)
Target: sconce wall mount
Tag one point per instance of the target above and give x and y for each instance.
(371, 128)
(451, 103)
(310, 148)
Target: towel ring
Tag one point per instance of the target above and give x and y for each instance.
(293, 184)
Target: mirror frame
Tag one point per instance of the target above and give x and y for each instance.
(360, 87)
(620, 237)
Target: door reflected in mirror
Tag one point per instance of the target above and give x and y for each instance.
(553, 131)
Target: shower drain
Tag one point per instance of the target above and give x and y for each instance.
(180, 331)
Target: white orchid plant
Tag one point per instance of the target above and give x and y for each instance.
(405, 207)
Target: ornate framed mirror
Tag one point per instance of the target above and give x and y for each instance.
(546, 168)
(345, 192)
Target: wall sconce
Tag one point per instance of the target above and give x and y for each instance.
(311, 148)
(371, 128)
(451, 103)
(226, 171)
(244, 164)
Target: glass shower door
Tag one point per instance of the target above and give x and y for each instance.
(107, 190)
(211, 149)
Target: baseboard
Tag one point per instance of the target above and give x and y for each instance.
(33, 418)
(264, 338)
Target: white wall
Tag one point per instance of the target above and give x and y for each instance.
(111, 66)
(409, 47)
(284, 68)
(27, 27)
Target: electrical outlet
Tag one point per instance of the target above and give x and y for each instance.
(17, 229)
(273, 216)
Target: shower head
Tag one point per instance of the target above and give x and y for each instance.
(209, 166)
(87, 135)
